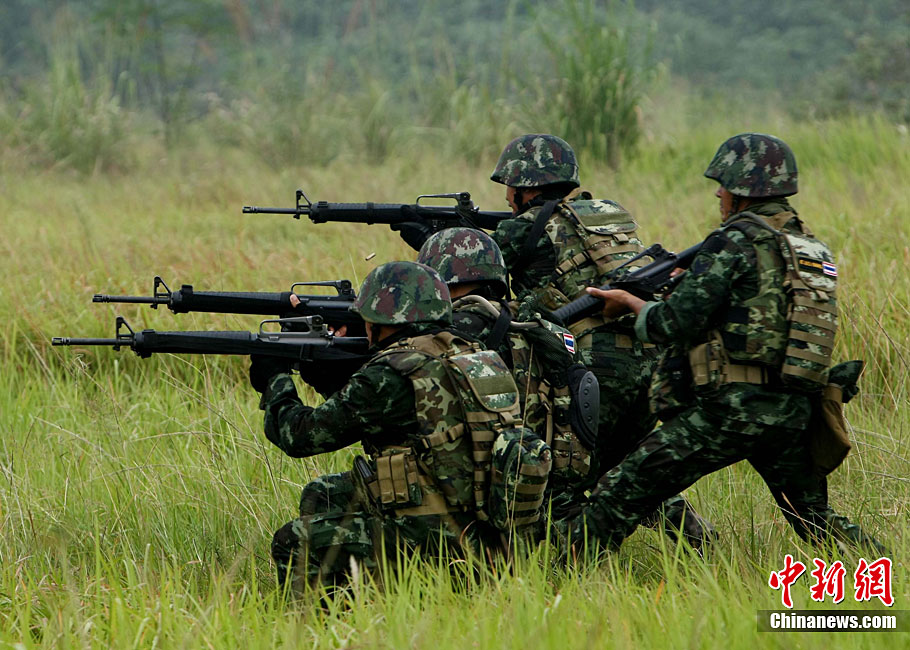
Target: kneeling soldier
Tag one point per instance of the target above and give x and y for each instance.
(451, 467)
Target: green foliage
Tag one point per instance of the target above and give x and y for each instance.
(69, 120)
(602, 66)
(325, 81)
(876, 76)
(782, 45)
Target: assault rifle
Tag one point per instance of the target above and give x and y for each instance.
(437, 217)
(334, 310)
(644, 282)
(326, 362)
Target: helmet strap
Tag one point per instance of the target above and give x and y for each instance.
(519, 199)
(740, 203)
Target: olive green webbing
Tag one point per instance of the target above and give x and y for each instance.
(808, 355)
(826, 340)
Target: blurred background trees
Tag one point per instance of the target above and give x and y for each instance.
(82, 81)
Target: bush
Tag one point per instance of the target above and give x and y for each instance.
(601, 70)
(70, 121)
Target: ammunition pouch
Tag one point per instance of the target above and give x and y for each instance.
(401, 486)
(712, 368)
(829, 442)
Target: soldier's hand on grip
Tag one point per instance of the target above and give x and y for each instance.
(263, 368)
(617, 302)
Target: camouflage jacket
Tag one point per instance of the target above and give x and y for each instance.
(375, 407)
(721, 280)
(582, 241)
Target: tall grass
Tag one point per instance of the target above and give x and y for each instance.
(138, 497)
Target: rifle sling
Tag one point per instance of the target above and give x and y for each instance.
(527, 249)
(498, 332)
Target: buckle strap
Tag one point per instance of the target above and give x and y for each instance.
(449, 435)
(572, 263)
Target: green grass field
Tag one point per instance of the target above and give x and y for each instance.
(138, 497)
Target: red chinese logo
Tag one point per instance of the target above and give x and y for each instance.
(870, 580)
(828, 582)
(784, 578)
(874, 581)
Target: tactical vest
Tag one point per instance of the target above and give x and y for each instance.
(591, 238)
(788, 327)
(471, 452)
(544, 397)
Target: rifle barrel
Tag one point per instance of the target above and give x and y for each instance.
(254, 209)
(66, 340)
(142, 300)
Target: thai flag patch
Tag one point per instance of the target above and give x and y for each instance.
(829, 269)
(568, 340)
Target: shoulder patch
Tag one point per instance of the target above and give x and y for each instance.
(568, 340)
(714, 244)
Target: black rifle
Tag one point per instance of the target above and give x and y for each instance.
(334, 310)
(464, 212)
(644, 282)
(326, 361)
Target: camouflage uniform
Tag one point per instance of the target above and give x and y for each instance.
(351, 515)
(582, 241)
(542, 356)
(715, 420)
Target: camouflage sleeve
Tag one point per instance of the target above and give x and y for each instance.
(696, 305)
(511, 235)
(374, 401)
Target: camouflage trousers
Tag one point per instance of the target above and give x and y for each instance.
(336, 529)
(623, 367)
(694, 444)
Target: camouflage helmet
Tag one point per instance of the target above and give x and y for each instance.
(398, 293)
(534, 160)
(754, 165)
(462, 255)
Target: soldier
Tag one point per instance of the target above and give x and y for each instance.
(559, 398)
(560, 242)
(429, 408)
(738, 380)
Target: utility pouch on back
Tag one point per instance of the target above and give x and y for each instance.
(829, 442)
(607, 230)
(520, 469)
